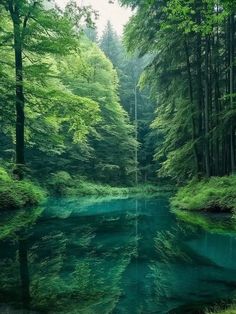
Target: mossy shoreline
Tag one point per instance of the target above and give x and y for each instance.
(217, 194)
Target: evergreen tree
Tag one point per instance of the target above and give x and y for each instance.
(192, 78)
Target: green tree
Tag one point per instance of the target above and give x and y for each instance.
(191, 76)
(35, 30)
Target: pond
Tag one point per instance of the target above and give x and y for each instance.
(130, 255)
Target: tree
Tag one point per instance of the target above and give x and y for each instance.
(192, 70)
(34, 30)
(134, 99)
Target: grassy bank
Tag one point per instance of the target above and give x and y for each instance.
(18, 194)
(62, 183)
(217, 194)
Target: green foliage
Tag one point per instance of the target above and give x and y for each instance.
(11, 225)
(191, 77)
(215, 194)
(74, 120)
(129, 69)
(59, 183)
(62, 183)
(18, 194)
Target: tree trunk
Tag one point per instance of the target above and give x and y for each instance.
(206, 109)
(199, 89)
(19, 100)
(194, 137)
(231, 77)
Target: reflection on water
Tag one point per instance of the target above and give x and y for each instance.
(111, 256)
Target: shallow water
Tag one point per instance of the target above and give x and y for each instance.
(111, 256)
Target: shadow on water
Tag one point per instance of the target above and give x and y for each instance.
(129, 255)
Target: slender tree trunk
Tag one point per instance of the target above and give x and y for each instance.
(194, 137)
(198, 48)
(216, 71)
(231, 78)
(206, 109)
(20, 100)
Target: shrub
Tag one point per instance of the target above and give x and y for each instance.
(59, 183)
(18, 194)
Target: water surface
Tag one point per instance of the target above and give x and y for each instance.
(111, 256)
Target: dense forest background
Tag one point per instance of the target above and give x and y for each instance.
(159, 103)
(192, 77)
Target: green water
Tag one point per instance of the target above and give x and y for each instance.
(111, 256)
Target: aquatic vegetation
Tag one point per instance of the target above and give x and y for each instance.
(214, 194)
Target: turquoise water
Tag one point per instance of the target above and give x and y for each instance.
(111, 256)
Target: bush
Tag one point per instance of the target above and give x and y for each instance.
(60, 183)
(214, 194)
(18, 194)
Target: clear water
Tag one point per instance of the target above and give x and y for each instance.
(111, 256)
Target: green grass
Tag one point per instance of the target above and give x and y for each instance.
(18, 194)
(215, 194)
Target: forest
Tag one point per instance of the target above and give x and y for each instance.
(102, 131)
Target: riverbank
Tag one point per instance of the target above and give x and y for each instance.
(217, 194)
(19, 194)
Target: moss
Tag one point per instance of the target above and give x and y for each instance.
(215, 194)
(18, 194)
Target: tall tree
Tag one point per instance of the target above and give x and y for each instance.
(193, 44)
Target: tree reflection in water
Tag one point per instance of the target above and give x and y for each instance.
(111, 256)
